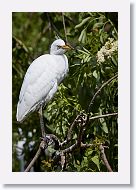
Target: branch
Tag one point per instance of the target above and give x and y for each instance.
(76, 120)
(71, 128)
(71, 148)
(86, 145)
(61, 155)
(80, 119)
(82, 122)
(99, 90)
(64, 27)
(102, 116)
(77, 145)
(53, 26)
(41, 146)
(103, 156)
(33, 160)
(53, 138)
(89, 107)
(104, 159)
(20, 43)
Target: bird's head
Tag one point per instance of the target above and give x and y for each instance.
(59, 47)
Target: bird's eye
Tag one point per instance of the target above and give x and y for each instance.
(58, 47)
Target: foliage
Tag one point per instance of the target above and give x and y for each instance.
(87, 33)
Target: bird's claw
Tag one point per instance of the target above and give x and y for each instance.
(47, 140)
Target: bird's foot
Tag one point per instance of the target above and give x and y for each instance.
(46, 141)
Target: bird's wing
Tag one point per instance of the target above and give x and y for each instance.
(40, 78)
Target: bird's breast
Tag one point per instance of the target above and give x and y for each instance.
(61, 67)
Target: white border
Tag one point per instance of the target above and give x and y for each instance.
(6, 174)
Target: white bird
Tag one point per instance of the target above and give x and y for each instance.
(42, 79)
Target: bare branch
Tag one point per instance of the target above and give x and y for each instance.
(52, 26)
(71, 148)
(89, 107)
(99, 90)
(104, 159)
(71, 128)
(82, 120)
(42, 146)
(64, 27)
(86, 145)
(102, 116)
(33, 160)
(63, 160)
(76, 121)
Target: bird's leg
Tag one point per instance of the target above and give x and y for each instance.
(45, 138)
(41, 121)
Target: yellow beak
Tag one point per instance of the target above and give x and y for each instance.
(66, 47)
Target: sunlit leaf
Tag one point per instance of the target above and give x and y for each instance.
(95, 159)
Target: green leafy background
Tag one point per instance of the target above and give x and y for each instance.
(87, 33)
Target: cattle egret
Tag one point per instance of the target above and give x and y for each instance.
(41, 81)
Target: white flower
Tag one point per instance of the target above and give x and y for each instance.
(107, 50)
(100, 57)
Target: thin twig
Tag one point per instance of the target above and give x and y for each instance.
(62, 160)
(71, 148)
(81, 115)
(77, 145)
(71, 128)
(101, 116)
(64, 27)
(33, 160)
(99, 90)
(42, 146)
(89, 107)
(104, 159)
(76, 120)
(86, 145)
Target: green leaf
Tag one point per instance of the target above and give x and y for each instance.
(82, 36)
(97, 25)
(95, 74)
(95, 160)
(104, 127)
(83, 22)
(114, 60)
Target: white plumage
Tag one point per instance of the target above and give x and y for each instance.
(42, 79)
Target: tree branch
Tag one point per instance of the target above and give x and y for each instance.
(41, 147)
(104, 159)
(102, 116)
(71, 148)
(89, 107)
(64, 27)
(86, 145)
(82, 121)
(76, 121)
(71, 128)
(53, 27)
(33, 160)
(99, 90)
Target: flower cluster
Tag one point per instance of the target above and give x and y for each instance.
(107, 50)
